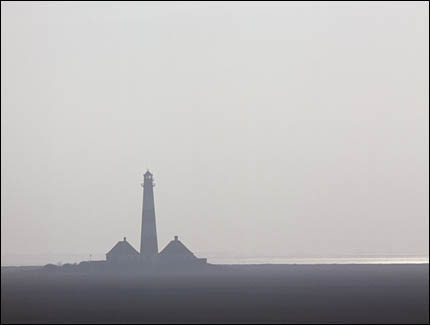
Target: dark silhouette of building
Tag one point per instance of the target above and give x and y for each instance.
(177, 253)
(148, 237)
(123, 256)
(122, 253)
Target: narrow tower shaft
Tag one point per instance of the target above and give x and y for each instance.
(148, 238)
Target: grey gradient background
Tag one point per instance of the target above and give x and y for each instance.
(293, 129)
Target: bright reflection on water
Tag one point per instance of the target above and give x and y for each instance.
(337, 260)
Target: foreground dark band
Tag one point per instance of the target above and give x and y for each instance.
(233, 294)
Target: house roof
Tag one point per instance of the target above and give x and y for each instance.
(123, 248)
(176, 249)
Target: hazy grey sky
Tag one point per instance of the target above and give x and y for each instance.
(295, 129)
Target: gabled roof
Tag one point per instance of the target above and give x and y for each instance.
(176, 249)
(123, 248)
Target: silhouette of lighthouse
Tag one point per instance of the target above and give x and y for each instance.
(148, 238)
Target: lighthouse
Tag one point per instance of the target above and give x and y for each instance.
(174, 255)
(148, 237)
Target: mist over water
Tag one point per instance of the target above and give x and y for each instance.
(275, 129)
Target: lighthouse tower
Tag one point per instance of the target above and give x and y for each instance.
(148, 238)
